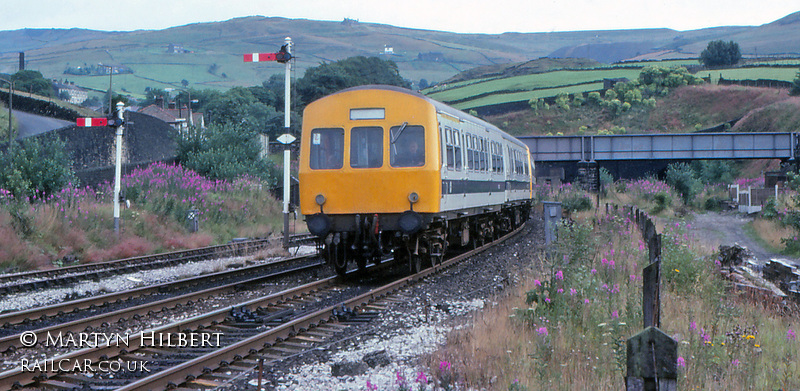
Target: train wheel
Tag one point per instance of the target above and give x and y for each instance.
(336, 256)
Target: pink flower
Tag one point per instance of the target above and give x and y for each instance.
(633, 277)
(559, 275)
(572, 291)
(681, 362)
(444, 366)
(547, 299)
(542, 331)
(421, 378)
(735, 362)
(790, 335)
(560, 290)
(614, 314)
(693, 326)
(586, 301)
(594, 271)
(537, 283)
(371, 387)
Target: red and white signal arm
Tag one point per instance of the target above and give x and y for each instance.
(92, 122)
(260, 57)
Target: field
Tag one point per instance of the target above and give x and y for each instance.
(496, 89)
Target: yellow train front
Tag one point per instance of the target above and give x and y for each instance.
(385, 170)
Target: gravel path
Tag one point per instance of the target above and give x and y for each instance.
(713, 229)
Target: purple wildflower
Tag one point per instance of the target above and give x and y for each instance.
(790, 335)
(681, 362)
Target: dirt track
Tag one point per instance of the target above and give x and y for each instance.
(713, 229)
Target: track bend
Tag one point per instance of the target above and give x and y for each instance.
(210, 350)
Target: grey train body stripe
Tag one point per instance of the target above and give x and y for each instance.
(470, 187)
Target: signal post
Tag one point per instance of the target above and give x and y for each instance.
(283, 56)
(115, 120)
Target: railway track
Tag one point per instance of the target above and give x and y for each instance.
(227, 342)
(33, 280)
(26, 321)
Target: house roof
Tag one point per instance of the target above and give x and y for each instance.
(170, 115)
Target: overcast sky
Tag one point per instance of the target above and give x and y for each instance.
(463, 16)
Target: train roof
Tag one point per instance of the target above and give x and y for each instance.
(438, 105)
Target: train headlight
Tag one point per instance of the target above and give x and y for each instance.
(410, 222)
(413, 197)
(319, 224)
(320, 199)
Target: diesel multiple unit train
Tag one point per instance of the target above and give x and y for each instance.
(385, 170)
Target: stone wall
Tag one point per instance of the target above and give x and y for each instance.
(145, 140)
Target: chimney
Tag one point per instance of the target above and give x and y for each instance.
(21, 61)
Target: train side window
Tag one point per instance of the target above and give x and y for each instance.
(457, 149)
(407, 146)
(327, 149)
(366, 147)
(470, 153)
(451, 161)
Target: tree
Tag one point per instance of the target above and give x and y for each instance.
(350, 72)
(224, 152)
(33, 82)
(796, 87)
(36, 167)
(719, 53)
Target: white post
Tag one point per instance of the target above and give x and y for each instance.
(118, 168)
(286, 151)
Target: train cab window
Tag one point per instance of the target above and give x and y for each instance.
(327, 149)
(366, 147)
(407, 146)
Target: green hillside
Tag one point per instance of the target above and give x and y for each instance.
(210, 54)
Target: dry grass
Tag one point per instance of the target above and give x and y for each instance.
(576, 342)
(771, 232)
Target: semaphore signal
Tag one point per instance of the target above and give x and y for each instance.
(92, 122)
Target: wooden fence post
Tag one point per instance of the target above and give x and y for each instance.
(652, 362)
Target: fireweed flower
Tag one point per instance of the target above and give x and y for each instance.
(559, 275)
(542, 331)
(681, 362)
(421, 378)
(790, 335)
(572, 292)
(537, 283)
(444, 366)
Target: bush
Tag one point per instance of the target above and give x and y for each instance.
(36, 168)
(681, 177)
(576, 203)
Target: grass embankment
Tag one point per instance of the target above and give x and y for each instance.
(686, 109)
(565, 327)
(76, 224)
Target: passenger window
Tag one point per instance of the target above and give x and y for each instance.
(457, 142)
(451, 161)
(327, 149)
(407, 146)
(366, 147)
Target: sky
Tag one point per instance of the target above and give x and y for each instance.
(461, 16)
